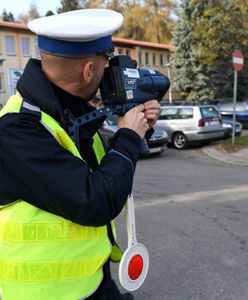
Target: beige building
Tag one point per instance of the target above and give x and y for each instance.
(18, 44)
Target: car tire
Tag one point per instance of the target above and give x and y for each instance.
(180, 141)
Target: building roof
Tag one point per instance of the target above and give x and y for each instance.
(12, 25)
(123, 41)
(116, 40)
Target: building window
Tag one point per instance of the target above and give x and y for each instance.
(147, 58)
(154, 63)
(1, 76)
(10, 45)
(1, 82)
(128, 52)
(25, 42)
(37, 50)
(140, 58)
(120, 51)
(161, 60)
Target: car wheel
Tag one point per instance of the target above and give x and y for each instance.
(180, 140)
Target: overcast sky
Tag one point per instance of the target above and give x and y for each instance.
(23, 6)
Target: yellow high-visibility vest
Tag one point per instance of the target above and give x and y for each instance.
(44, 256)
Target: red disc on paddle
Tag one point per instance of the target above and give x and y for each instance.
(135, 267)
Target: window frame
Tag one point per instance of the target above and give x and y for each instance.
(13, 44)
(161, 59)
(147, 58)
(37, 49)
(1, 82)
(23, 46)
(154, 59)
(140, 55)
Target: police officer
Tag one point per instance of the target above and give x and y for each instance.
(58, 200)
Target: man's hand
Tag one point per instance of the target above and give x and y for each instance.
(141, 118)
(136, 120)
(151, 110)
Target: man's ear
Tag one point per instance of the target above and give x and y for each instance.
(88, 71)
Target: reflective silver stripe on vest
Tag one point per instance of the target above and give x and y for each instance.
(30, 106)
(37, 109)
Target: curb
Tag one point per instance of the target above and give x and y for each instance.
(239, 158)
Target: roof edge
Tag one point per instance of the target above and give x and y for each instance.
(14, 25)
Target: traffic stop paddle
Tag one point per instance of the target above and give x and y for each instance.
(134, 264)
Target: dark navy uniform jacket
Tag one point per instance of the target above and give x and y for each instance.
(35, 168)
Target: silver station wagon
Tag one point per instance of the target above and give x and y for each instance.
(191, 124)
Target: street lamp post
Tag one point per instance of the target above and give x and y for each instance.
(168, 66)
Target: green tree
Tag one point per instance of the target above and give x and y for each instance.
(7, 17)
(92, 4)
(49, 13)
(188, 78)
(134, 26)
(160, 20)
(149, 20)
(219, 28)
(206, 34)
(116, 5)
(68, 5)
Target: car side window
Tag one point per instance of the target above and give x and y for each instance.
(209, 112)
(185, 113)
(168, 113)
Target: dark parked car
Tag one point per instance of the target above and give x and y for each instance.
(226, 111)
(228, 126)
(156, 144)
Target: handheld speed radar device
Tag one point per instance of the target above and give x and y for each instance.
(123, 83)
(123, 87)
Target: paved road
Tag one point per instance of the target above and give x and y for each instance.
(192, 215)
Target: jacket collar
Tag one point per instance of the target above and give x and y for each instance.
(36, 87)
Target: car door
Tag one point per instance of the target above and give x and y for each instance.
(167, 120)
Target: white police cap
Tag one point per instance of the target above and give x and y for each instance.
(77, 33)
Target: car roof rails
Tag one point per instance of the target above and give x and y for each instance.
(181, 103)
